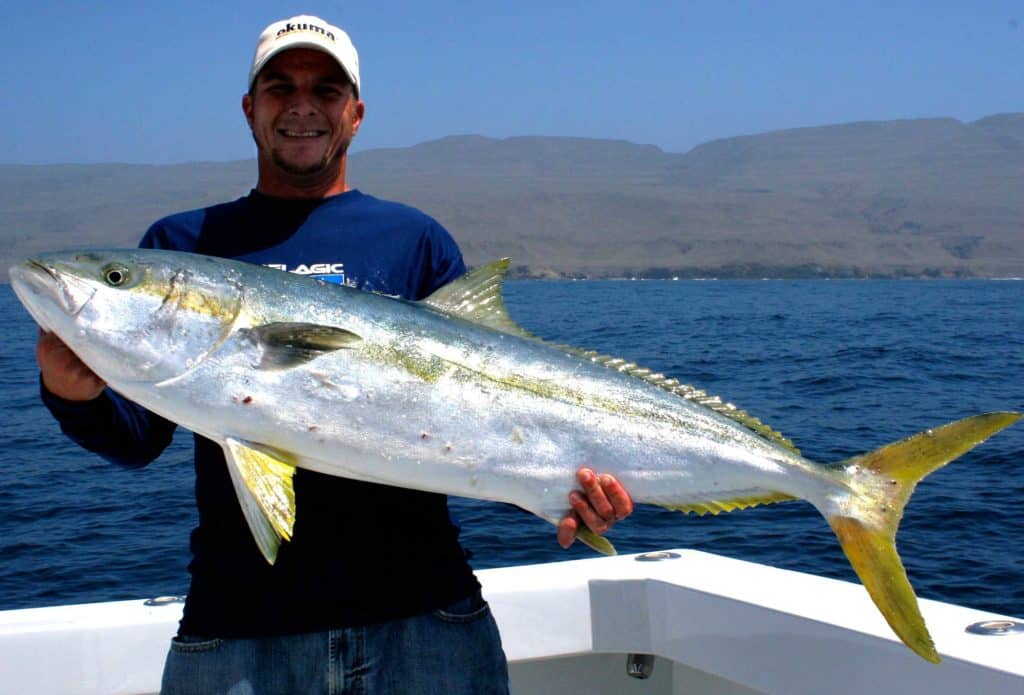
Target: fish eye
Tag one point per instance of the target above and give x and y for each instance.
(115, 276)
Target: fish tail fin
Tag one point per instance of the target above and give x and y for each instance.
(882, 482)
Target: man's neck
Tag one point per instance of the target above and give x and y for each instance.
(279, 184)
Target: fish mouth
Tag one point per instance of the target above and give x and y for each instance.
(39, 285)
(33, 264)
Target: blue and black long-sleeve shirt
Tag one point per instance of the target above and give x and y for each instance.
(361, 552)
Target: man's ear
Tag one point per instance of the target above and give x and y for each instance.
(247, 109)
(358, 113)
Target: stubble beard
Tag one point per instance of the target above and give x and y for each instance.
(323, 167)
(294, 169)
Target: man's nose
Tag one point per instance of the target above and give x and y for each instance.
(301, 104)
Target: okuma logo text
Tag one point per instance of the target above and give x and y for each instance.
(289, 28)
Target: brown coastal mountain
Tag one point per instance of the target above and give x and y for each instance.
(928, 197)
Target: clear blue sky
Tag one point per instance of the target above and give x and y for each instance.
(162, 82)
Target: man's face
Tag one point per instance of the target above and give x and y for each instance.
(302, 112)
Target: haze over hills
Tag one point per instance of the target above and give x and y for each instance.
(928, 197)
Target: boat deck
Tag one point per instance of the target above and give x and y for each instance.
(713, 625)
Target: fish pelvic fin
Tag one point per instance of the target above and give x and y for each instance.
(882, 482)
(263, 483)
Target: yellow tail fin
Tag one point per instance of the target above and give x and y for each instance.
(883, 481)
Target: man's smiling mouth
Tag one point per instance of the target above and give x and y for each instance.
(301, 133)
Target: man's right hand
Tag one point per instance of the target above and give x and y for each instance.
(64, 375)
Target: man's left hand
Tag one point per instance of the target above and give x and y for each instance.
(602, 502)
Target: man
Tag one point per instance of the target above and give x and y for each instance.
(373, 592)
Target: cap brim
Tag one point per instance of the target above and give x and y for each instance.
(287, 46)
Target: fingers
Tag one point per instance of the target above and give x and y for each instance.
(45, 345)
(567, 528)
(617, 495)
(49, 351)
(601, 503)
(594, 488)
(63, 373)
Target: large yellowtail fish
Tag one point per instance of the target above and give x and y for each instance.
(449, 395)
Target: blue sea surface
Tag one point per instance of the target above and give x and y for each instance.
(840, 367)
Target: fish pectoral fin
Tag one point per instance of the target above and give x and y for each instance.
(286, 344)
(477, 297)
(262, 479)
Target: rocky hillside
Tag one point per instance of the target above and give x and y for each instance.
(932, 197)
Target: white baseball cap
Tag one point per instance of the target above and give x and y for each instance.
(306, 31)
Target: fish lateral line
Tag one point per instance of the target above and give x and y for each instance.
(477, 297)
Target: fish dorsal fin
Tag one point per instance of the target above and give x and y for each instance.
(730, 411)
(289, 344)
(263, 483)
(477, 297)
(688, 392)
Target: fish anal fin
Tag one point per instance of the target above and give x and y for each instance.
(263, 482)
(290, 344)
(728, 504)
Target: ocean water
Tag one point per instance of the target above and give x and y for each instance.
(841, 367)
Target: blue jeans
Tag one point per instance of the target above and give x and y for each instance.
(452, 651)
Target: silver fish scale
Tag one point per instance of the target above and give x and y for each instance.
(431, 401)
(288, 372)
